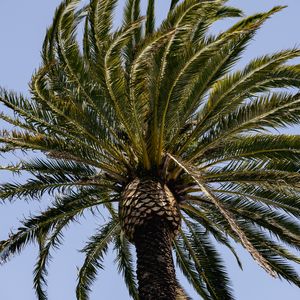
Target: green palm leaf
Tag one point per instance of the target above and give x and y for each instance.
(125, 264)
(207, 263)
(95, 250)
(46, 243)
(189, 270)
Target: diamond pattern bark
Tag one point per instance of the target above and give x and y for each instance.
(144, 199)
(150, 219)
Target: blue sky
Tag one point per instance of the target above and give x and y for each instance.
(22, 28)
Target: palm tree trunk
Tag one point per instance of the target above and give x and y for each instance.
(150, 219)
(155, 267)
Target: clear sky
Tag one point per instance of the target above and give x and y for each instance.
(22, 27)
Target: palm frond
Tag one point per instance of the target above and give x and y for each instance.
(183, 19)
(208, 263)
(189, 270)
(274, 258)
(259, 75)
(211, 228)
(228, 216)
(71, 205)
(46, 243)
(131, 15)
(173, 4)
(39, 165)
(263, 113)
(76, 69)
(232, 42)
(115, 81)
(94, 251)
(125, 263)
(150, 21)
(274, 254)
(262, 147)
(285, 199)
(279, 225)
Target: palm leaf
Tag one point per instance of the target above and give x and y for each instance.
(53, 241)
(173, 4)
(210, 227)
(208, 263)
(125, 263)
(94, 251)
(131, 15)
(228, 216)
(150, 22)
(189, 270)
(71, 205)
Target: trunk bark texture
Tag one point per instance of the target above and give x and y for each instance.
(150, 219)
(155, 267)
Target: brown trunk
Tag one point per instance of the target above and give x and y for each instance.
(155, 267)
(150, 218)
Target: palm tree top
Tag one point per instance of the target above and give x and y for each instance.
(159, 101)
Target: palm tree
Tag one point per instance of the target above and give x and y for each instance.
(151, 125)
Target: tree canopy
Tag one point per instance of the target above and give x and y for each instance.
(159, 101)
